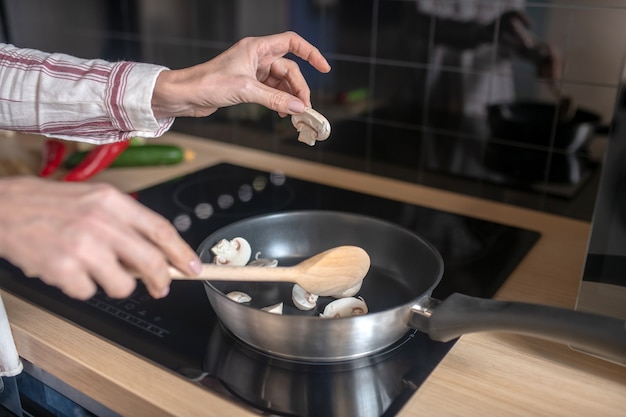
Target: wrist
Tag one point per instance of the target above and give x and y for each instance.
(169, 98)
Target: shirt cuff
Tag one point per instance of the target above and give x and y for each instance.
(129, 100)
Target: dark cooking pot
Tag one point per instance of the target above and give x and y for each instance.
(534, 122)
(404, 271)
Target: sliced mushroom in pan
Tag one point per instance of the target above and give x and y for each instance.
(235, 252)
(303, 299)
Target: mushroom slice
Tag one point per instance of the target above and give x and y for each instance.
(270, 263)
(311, 125)
(239, 297)
(274, 309)
(303, 299)
(350, 292)
(263, 261)
(235, 252)
(345, 307)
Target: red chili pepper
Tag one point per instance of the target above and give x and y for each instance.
(52, 156)
(96, 160)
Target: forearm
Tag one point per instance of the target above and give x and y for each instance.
(67, 97)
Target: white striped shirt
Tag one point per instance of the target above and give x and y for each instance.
(61, 96)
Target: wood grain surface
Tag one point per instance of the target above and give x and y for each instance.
(483, 375)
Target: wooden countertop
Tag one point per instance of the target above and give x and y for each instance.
(483, 375)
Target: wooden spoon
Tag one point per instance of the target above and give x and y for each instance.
(327, 273)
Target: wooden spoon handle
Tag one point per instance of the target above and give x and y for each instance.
(239, 273)
(330, 272)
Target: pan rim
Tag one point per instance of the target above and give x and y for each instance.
(322, 212)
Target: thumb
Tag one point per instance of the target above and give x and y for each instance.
(277, 100)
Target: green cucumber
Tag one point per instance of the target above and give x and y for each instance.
(137, 141)
(140, 156)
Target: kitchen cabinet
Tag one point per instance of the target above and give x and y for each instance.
(35, 392)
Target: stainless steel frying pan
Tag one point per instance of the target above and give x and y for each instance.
(405, 270)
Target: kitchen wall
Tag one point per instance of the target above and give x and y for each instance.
(411, 84)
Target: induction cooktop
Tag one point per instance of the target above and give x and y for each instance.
(182, 333)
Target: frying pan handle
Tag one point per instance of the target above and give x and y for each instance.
(459, 314)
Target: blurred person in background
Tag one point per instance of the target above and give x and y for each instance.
(469, 47)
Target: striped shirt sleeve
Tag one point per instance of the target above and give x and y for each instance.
(61, 96)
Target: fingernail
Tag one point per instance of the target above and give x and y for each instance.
(165, 292)
(296, 106)
(196, 266)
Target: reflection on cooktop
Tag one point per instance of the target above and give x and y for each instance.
(561, 174)
(469, 153)
(182, 333)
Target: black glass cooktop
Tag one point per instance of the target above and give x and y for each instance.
(181, 332)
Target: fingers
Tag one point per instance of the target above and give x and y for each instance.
(105, 271)
(77, 274)
(279, 45)
(68, 276)
(285, 75)
(164, 236)
(81, 236)
(158, 247)
(151, 247)
(303, 49)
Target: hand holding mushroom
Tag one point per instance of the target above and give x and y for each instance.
(254, 70)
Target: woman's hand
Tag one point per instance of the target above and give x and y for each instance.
(80, 236)
(254, 70)
(515, 32)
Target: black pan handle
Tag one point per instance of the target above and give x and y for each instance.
(459, 314)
